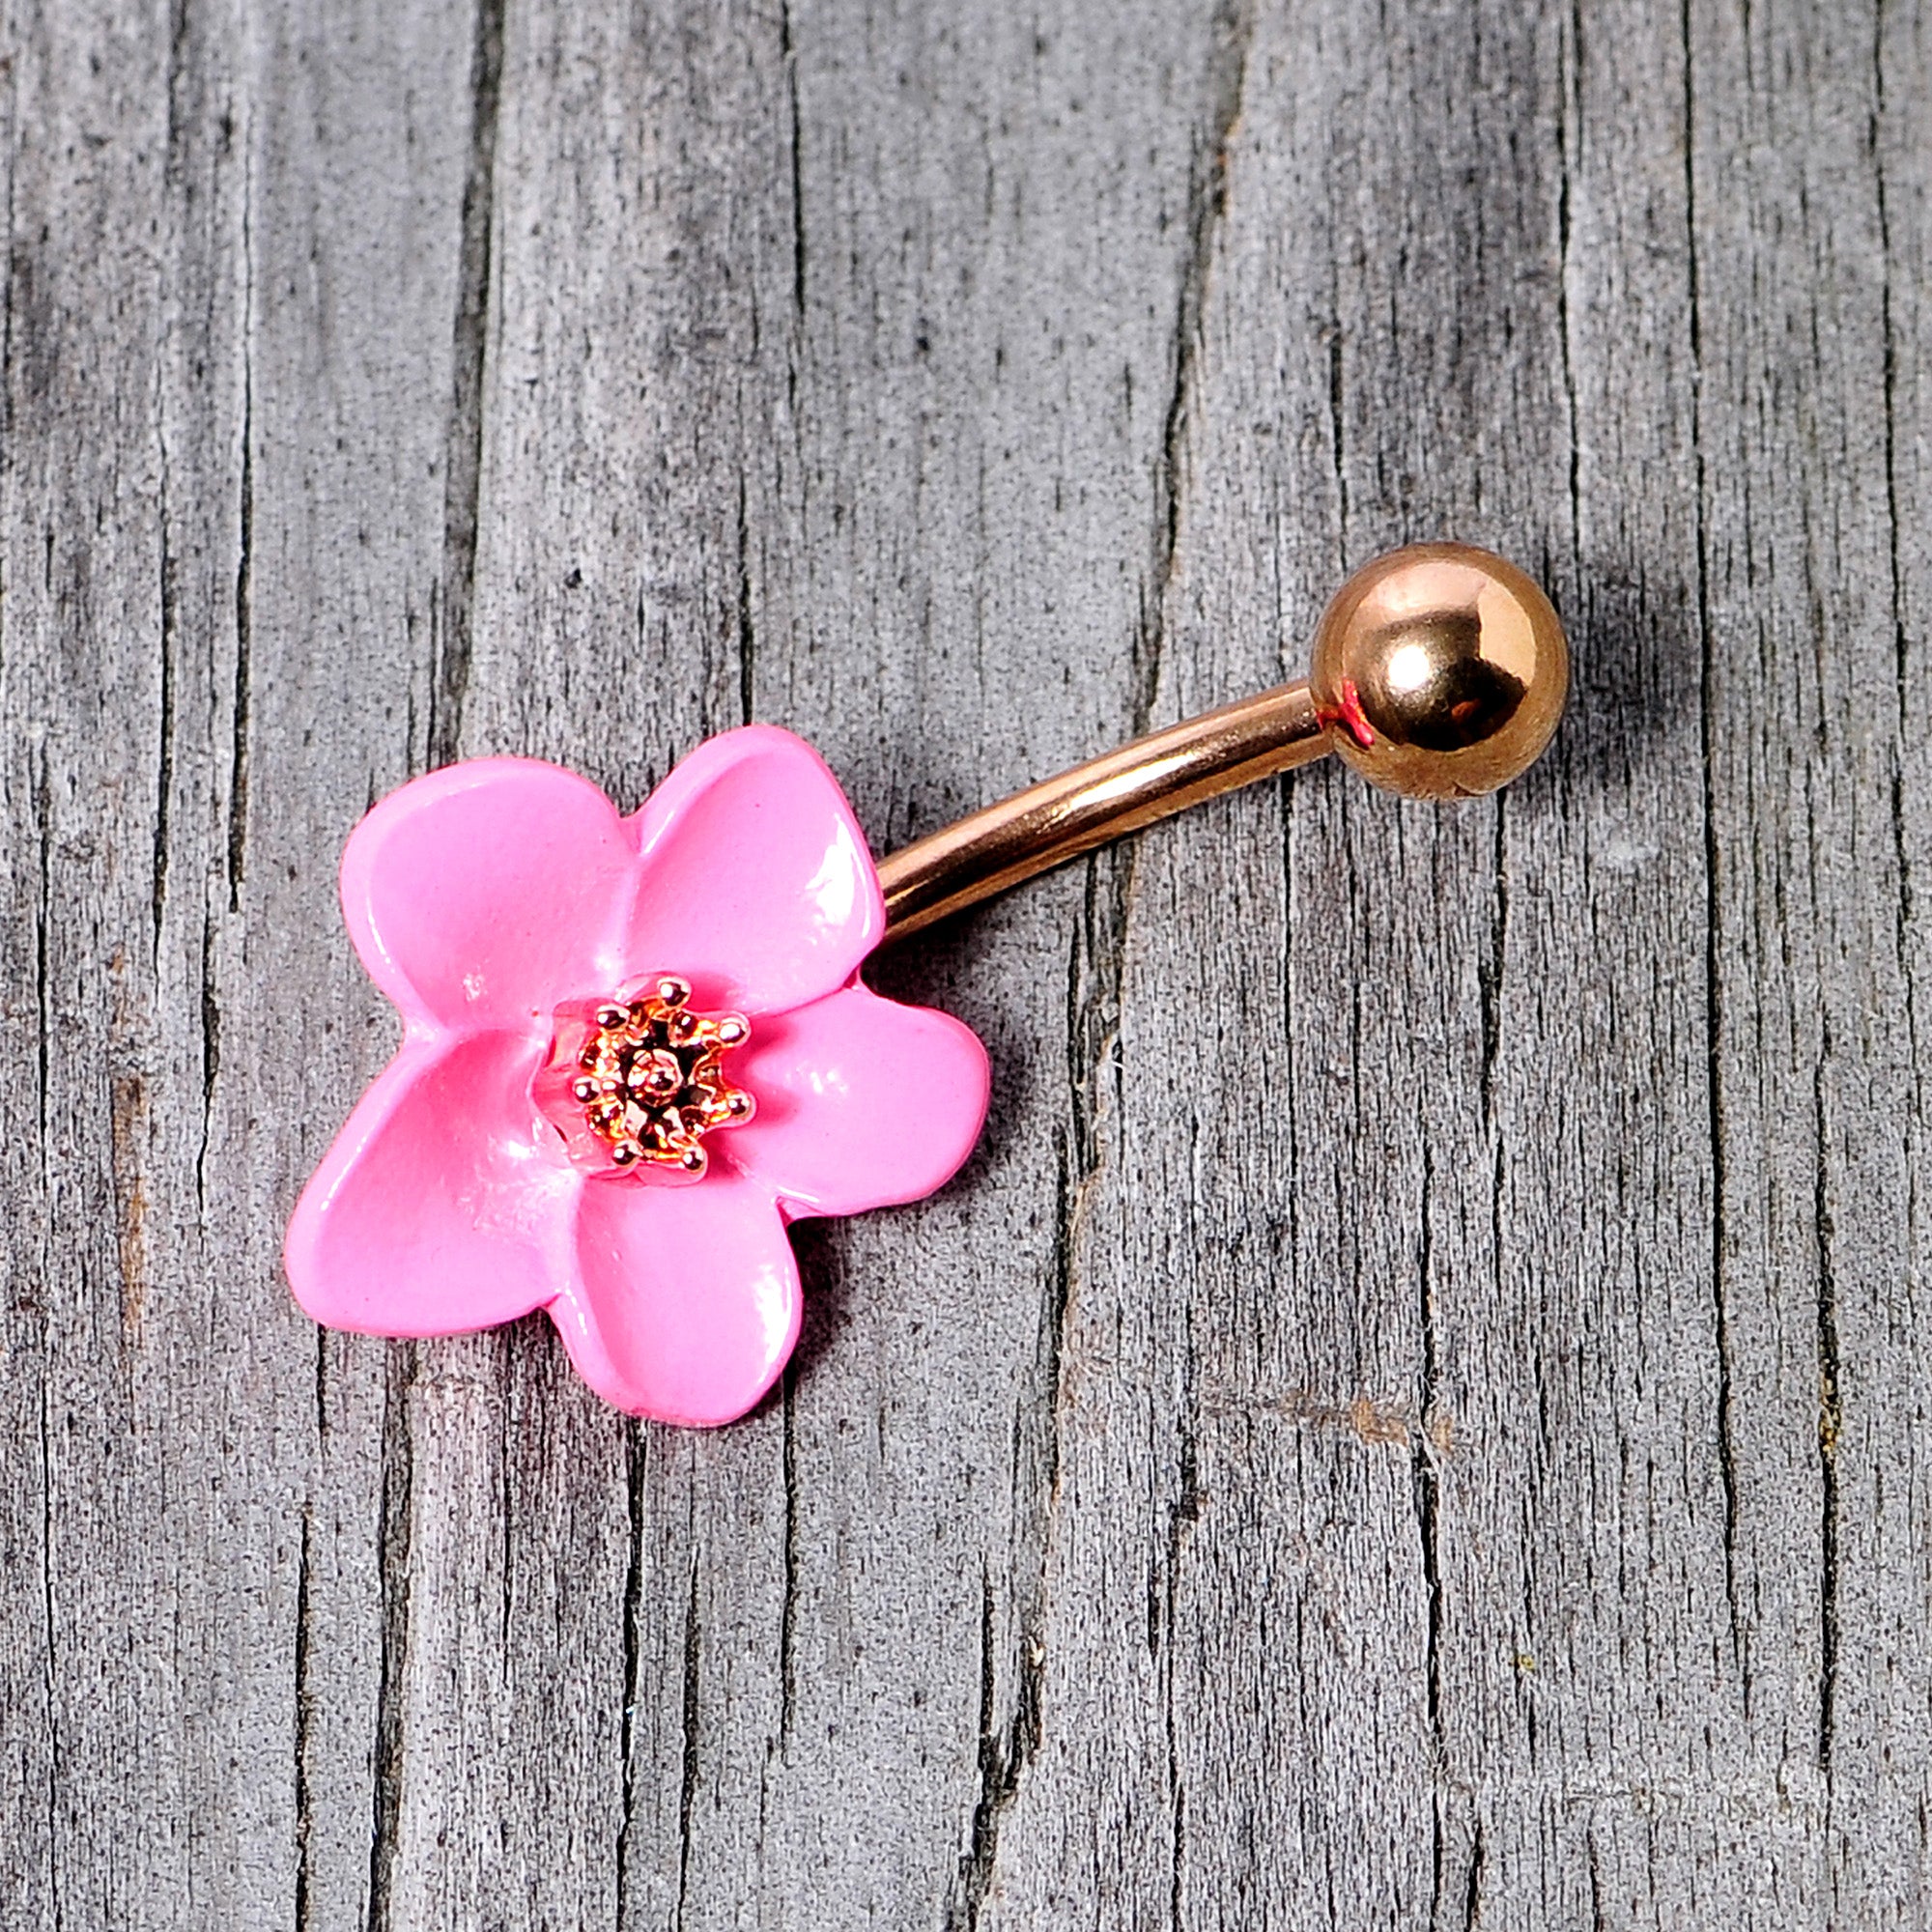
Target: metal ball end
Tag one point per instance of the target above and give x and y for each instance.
(1440, 672)
(693, 1160)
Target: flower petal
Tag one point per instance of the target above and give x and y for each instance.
(756, 883)
(862, 1102)
(443, 1204)
(484, 894)
(688, 1303)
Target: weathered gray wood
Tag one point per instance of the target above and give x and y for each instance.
(1415, 1415)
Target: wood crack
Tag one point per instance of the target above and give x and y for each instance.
(1714, 934)
(1830, 1422)
(238, 759)
(1004, 1757)
(164, 777)
(634, 1586)
(1490, 970)
(393, 1569)
(1206, 203)
(1901, 643)
(1003, 1761)
(788, 1555)
(1571, 87)
(1472, 1896)
(747, 645)
(51, 1674)
(42, 985)
(1182, 1514)
(686, 1783)
(304, 1720)
(462, 442)
(1428, 1492)
(788, 58)
(164, 772)
(1337, 426)
(210, 1060)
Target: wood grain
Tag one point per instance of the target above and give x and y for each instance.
(1417, 1414)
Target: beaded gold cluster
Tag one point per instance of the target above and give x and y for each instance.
(652, 1079)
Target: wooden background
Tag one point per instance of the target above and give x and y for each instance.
(1419, 1413)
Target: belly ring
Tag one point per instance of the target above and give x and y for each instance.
(636, 1048)
(1439, 672)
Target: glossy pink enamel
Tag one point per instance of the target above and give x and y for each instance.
(756, 878)
(862, 1101)
(686, 1302)
(483, 897)
(487, 893)
(409, 1229)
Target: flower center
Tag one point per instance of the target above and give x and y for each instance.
(642, 1080)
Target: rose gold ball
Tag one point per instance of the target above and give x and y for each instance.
(1441, 670)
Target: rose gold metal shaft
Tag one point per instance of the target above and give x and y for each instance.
(1439, 672)
(1052, 822)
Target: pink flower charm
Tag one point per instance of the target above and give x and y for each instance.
(635, 1049)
